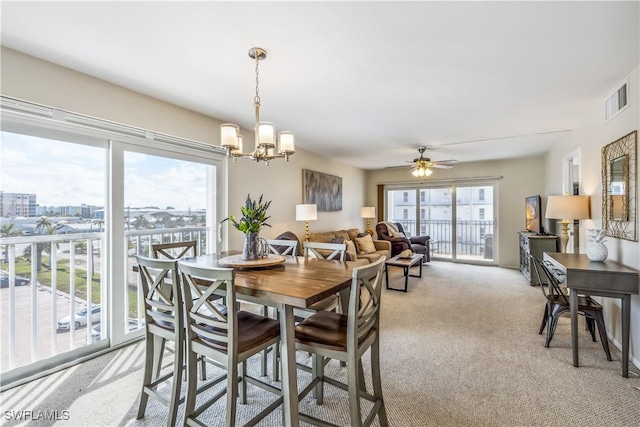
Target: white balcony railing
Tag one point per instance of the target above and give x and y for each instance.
(46, 278)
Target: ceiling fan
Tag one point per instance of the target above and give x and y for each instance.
(422, 165)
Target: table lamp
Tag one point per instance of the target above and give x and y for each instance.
(567, 208)
(306, 213)
(368, 212)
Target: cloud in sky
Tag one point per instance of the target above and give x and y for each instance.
(62, 173)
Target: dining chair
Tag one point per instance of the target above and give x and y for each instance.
(557, 302)
(175, 250)
(329, 251)
(283, 247)
(346, 337)
(228, 339)
(163, 312)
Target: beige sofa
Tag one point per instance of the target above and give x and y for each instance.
(383, 248)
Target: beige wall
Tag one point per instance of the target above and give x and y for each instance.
(520, 178)
(38, 81)
(589, 137)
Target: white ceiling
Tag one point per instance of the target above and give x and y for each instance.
(362, 82)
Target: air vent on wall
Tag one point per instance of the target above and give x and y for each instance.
(617, 102)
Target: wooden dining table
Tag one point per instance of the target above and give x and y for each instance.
(295, 283)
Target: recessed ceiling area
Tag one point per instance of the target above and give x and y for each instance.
(365, 83)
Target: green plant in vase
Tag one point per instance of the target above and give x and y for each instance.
(254, 217)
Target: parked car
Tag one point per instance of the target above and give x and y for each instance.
(20, 281)
(80, 318)
(97, 329)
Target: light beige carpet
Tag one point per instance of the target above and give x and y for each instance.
(461, 348)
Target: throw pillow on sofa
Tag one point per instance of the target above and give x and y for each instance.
(352, 254)
(365, 245)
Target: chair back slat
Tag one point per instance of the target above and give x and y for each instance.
(175, 250)
(328, 251)
(283, 247)
(160, 287)
(204, 319)
(364, 300)
(554, 289)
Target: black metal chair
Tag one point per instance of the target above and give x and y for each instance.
(558, 303)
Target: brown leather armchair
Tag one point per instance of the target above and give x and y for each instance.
(417, 244)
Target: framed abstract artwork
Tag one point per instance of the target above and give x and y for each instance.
(321, 189)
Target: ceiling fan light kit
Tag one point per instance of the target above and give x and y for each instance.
(422, 165)
(267, 147)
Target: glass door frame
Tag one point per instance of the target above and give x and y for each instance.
(216, 206)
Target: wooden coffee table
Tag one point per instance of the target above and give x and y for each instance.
(405, 263)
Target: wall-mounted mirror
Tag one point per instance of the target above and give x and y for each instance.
(618, 188)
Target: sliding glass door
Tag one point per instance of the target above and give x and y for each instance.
(458, 218)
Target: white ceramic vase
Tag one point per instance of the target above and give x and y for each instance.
(597, 251)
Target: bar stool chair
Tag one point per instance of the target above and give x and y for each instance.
(346, 337)
(163, 322)
(177, 251)
(228, 339)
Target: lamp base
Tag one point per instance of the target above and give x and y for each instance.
(564, 235)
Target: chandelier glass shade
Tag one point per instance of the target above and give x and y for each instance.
(267, 146)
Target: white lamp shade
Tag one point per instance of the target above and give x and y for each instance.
(287, 142)
(568, 207)
(368, 212)
(306, 213)
(229, 135)
(266, 135)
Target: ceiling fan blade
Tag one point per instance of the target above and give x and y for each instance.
(440, 166)
(445, 162)
(398, 167)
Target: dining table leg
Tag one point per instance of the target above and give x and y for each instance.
(573, 305)
(291, 416)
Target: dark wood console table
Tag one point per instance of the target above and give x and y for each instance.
(607, 279)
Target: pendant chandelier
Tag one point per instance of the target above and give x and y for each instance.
(266, 145)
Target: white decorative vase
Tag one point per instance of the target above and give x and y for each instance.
(597, 251)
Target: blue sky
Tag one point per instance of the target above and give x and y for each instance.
(61, 173)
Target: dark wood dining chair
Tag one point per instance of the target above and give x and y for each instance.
(227, 339)
(346, 337)
(557, 302)
(164, 322)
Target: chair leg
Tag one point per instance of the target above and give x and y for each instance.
(317, 370)
(354, 391)
(232, 392)
(591, 327)
(242, 388)
(176, 386)
(148, 369)
(192, 384)
(275, 362)
(377, 383)
(158, 352)
(552, 322)
(544, 319)
(264, 311)
(602, 330)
